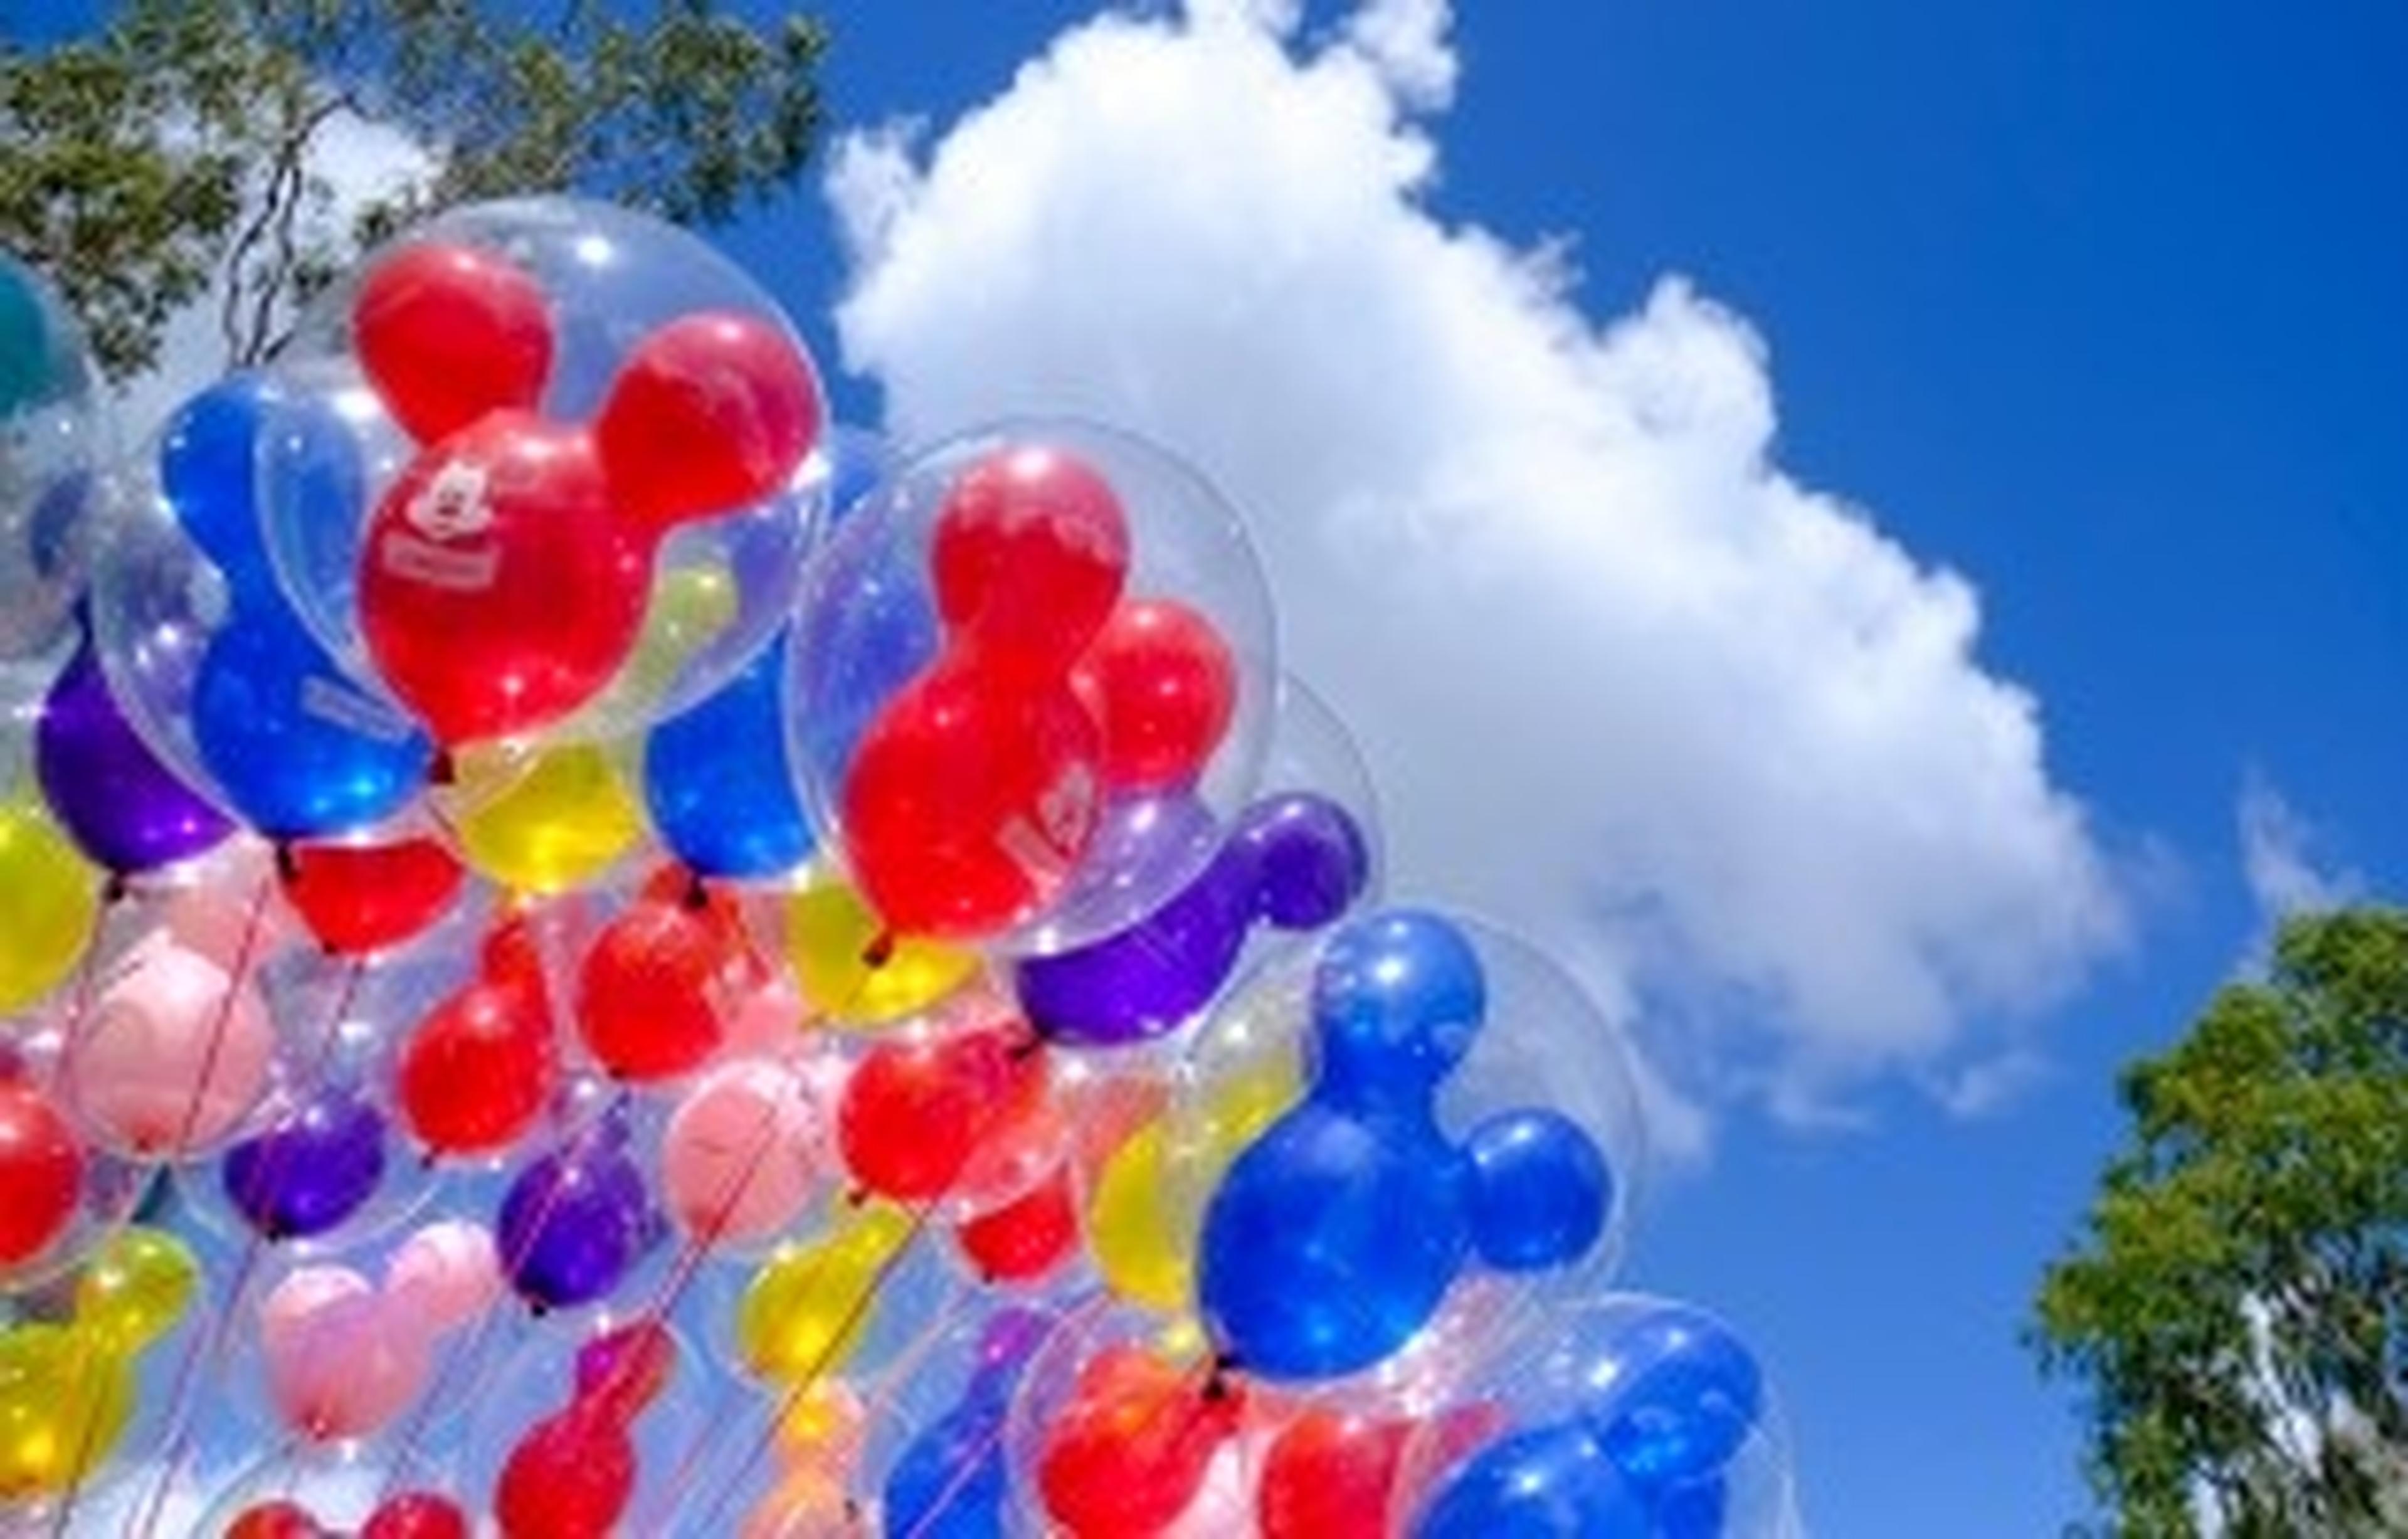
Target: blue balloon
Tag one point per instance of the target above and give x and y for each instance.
(1694, 1511)
(1554, 1482)
(1541, 1190)
(1685, 1394)
(952, 1481)
(716, 781)
(294, 747)
(1397, 1002)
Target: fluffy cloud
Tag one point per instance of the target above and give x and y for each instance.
(2282, 859)
(1625, 686)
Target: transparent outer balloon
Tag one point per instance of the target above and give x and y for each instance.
(867, 624)
(52, 445)
(721, 587)
(1312, 749)
(536, 1379)
(204, 658)
(1596, 1366)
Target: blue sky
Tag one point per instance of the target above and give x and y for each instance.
(2103, 310)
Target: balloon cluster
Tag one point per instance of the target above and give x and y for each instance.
(583, 952)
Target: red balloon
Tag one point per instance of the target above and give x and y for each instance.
(569, 1477)
(711, 413)
(357, 899)
(479, 1069)
(417, 1514)
(1332, 1475)
(656, 991)
(275, 1520)
(970, 800)
(916, 1112)
(41, 1172)
(1027, 1238)
(1029, 554)
(449, 333)
(1163, 686)
(497, 590)
(1128, 1453)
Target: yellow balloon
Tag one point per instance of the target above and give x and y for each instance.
(64, 1400)
(1142, 1217)
(564, 822)
(804, 1312)
(853, 971)
(50, 902)
(136, 1289)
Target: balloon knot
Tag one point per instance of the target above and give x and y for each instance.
(443, 770)
(288, 860)
(879, 951)
(696, 895)
(116, 889)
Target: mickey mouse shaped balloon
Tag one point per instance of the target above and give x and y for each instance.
(563, 402)
(1335, 1237)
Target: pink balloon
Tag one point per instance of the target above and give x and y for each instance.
(337, 1366)
(738, 1160)
(174, 1056)
(767, 1022)
(442, 1278)
(223, 914)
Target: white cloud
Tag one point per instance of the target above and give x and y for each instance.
(2285, 860)
(1624, 684)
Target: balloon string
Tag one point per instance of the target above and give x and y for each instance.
(220, 1336)
(850, 1321)
(440, 1386)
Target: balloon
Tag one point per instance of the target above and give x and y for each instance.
(818, 1441)
(1164, 687)
(717, 784)
(123, 807)
(917, 1111)
(856, 975)
(41, 1172)
(451, 333)
(1295, 860)
(175, 1054)
(710, 412)
(63, 1405)
(568, 819)
(417, 1514)
(50, 448)
(1026, 1238)
(572, 1476)
(50, 903)
(971, 800)
(1541, 1189)
(1129, 1452)
(278, 1519)
(974, 792)
(1333, 1238)
(806, 1310)
(1547, 1480)
(1329, 1476)
(338, 1365)
(657, 990)
(950, 1481)
(136, 1287)
(481, 1067)
(358, 899)
(576, 1220)
(312, 1170)
(1681, 1393)
(444, 1275)
(739, 1154)
(497, 593)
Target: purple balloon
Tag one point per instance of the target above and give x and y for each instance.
(121, 805)
(1295, 861)
(310, 1172)
(577, 1221)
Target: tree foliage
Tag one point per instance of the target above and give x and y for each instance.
(180, 144)
(2237, 1308)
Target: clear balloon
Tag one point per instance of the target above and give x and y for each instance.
(174, 1058)
(544, 388)
(950, 705)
